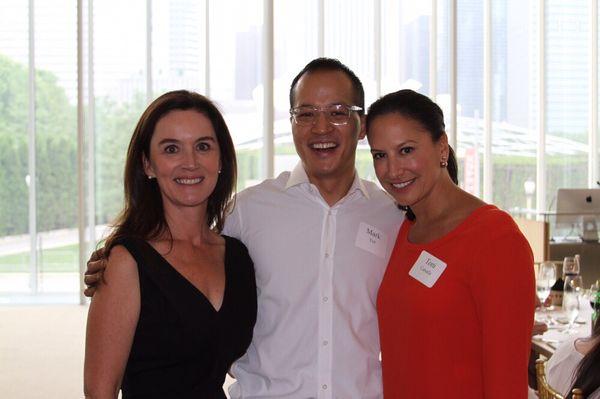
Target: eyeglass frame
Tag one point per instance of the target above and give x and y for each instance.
(323, 109)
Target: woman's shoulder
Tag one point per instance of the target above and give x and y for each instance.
(493, 220)
(121, 266)
(234, 244)
(236, 249)
(120, 255)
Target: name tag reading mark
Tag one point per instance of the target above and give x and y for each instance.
(427, 269)
(371, 239)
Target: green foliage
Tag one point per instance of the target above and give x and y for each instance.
(114, 126)
(13, 97)
(59, 259)
(56, 151)
(13, 189)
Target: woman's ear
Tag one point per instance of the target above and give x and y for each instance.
(444, 147)
(148, 167)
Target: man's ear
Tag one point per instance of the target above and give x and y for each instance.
(363, 127)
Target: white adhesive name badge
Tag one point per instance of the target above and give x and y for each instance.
(427, 269)
(371, 239)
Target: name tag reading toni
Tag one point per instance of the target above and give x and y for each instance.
(427, 269)
(371, 239)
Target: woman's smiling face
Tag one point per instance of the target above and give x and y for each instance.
(405, 157)
(184, 158)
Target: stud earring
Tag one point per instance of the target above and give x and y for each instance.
(150, 177)
(443, 163)
(219, 172)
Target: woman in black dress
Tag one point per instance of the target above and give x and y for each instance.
(178, 301)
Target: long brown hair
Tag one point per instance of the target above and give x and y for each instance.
(143, 214)
(587, 374)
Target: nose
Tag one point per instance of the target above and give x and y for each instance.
(190, 159)
(321, 124)
(395, 167)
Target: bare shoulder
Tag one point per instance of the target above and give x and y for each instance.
(120, 255)
(120, 265)
(472, 203)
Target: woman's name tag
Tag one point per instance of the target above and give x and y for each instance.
(427, 269)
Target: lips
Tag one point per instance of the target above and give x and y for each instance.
(403, 184)
(188, 180)
(323, 146)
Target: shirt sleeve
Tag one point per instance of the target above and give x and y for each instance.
(503, 286)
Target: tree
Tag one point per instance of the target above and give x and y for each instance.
(56, 151)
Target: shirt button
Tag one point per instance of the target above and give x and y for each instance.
(325, 343)
(324, 386)
(325, 299)
(327, 255)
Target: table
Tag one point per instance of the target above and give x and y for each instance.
(547, 343)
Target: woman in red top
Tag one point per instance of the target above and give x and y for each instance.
(456, 304)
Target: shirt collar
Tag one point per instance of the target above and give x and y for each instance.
(298, 176)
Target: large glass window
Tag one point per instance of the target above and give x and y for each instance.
(236, 79)
(514, 91)
(293, 49)
(38, 190)
(469, 106)
(133, 53)
(15, 242)
(567, 95)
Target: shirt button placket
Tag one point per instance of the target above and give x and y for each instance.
(326, 330)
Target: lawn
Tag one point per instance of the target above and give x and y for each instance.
(60, 259)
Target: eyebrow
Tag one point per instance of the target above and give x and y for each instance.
(169, 141)
(396, 146)
(316, 106)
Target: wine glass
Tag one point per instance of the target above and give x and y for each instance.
(546, 277)
(571, 299)
(571, 265)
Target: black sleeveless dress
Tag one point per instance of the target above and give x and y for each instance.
(183, 346)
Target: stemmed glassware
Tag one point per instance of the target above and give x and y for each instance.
(571, 265)
(572, 299)
(545, 279)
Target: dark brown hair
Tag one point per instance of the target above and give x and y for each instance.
(587, 374)
(331, 64)
(143, 214)
(421, 109)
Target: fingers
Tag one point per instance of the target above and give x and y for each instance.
(89, 291)
(95, 267)
(97, 255)
(91, 280)
(539, 328)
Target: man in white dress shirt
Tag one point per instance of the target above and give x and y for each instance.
(320, 238)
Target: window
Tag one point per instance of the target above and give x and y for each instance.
(131, 56)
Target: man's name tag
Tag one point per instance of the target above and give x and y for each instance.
(427, 269)
(371, 239)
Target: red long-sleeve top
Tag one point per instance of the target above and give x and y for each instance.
(469, 335)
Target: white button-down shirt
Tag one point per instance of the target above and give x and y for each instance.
(318, 269)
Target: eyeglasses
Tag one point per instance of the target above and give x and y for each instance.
(338, 114)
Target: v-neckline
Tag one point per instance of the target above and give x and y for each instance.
(187, 282)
